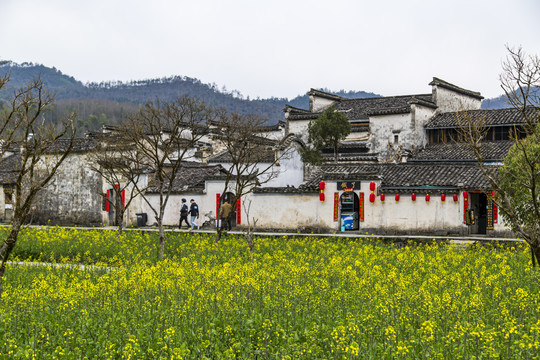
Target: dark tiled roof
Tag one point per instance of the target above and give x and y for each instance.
(405, 177)
(356, 109)
(433, 175)
(492, 117)
(286, 190)
(449, 86)
(225, 157)
(491, 151)
(324, 94)
(79, 145)
(191, 177)
(9, 168)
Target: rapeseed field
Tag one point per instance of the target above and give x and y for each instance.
(294, 298)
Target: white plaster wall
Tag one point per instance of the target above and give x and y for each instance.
(421, 115)
(448, 100)
(319, 103)
(289, 211)
(406, 215)
(384, 127)
(299, 128)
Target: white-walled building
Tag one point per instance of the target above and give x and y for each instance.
(399, 149)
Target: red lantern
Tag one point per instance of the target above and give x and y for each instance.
(382, 197)
(455, 198)
(443, 197)
(428, 197)
(372, 186)
(397, 197)
(321, 196)
(372, 198)
(413, 197)
(465, 195)
(322, 185)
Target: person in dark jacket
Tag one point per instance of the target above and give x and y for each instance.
(225, 214)
(183, 214)
(194, 212)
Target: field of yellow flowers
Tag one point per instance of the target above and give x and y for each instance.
(295, 298)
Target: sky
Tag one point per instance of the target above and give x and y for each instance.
(279, 48)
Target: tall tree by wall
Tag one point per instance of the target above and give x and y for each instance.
(42, 149)
(162, 134)
(517, 182)
(118, 163)
(251, 159)
(326, 131)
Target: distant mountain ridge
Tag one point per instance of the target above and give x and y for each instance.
(109, 102)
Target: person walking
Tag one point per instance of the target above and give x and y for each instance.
(225, 215)
(183, 214)
(194, 212)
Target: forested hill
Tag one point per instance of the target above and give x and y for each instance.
(109, 102)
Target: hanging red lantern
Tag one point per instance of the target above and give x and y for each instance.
(322, 185)
(397, 197)
(372, 198)
(455, 198)
(382, 197)
(413, 197)
(428, 197)
(321, 196)
(372, 186)
(443, 198)
(465, 195)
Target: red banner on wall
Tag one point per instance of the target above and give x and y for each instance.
(238, 208)
(361, 207)
(217, 205)
(465, 208)
(336, 206)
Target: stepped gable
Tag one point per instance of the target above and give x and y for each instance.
(445, 84)
(494, 117)
(191, 177)
(491, 151)
(362, 109)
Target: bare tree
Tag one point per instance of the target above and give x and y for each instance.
(251, 159)
(517, 182)
(164, 134)
(123, 173)
(42, 150)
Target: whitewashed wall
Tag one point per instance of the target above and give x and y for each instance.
(291, 211)
(317, 103)
(448, 100)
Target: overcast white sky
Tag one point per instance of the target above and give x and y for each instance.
(275, 48)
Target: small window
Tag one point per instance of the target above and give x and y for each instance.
(396, 139)
(8, 195)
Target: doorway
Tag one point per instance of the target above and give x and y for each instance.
(115, 206)
(350, 207)
(230, 197)
(479, 206)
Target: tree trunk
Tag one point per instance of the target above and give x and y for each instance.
(7, 248)
(219, 231)
(120, 229)
(535, 255)
(161, 251)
